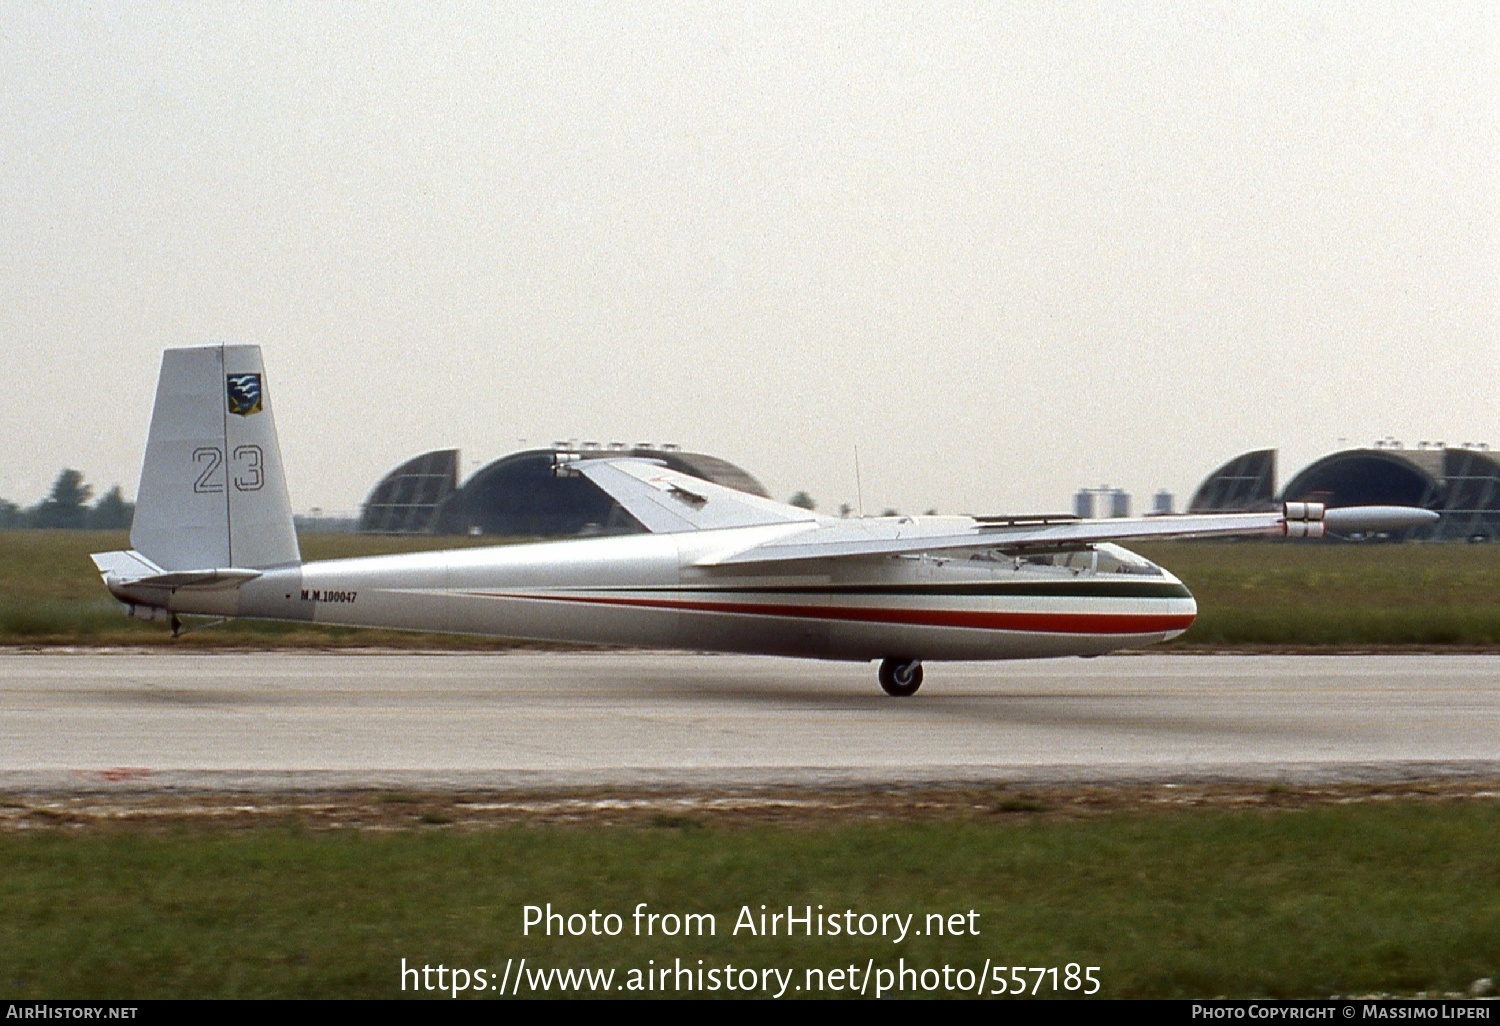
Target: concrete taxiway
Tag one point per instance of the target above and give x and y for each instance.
(281, 720)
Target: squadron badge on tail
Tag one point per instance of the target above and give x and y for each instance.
(244, 394)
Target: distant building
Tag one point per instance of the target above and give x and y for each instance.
(1102, 501)
(1083, 504)
(519, 496)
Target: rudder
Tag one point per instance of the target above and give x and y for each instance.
(213, 492)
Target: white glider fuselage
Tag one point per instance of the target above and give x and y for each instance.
(650, 590)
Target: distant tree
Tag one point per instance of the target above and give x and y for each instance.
(10, 514)
(111, 512)
(889, 512)
(845, 510)
(67, 506)
(803, 501)
(931, 513)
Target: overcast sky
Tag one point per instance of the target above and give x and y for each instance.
(1006, 250)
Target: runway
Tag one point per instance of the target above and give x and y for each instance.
(287, 721)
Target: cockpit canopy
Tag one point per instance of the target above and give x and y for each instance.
(1104, 558)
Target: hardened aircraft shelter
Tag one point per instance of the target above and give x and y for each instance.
(1462, 483)
(519, 495)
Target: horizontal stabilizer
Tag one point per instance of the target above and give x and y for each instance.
(124, 566)
(133, 569)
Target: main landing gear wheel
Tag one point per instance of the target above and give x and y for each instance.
(900, 677)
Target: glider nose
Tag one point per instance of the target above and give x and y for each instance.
(1184, 609)
(1188, 612)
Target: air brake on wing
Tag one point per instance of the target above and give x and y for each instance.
(1026, 519)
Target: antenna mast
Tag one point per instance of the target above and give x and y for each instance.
(859, 489)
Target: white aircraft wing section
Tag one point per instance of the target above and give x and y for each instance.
(895, 536)
(665, 501)
(891, 537)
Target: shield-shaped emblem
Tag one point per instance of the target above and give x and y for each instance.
(244, 394)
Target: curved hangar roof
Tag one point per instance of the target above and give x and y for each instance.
(519, 496)
(406, 500)
(1462, 484)
(1247, 482)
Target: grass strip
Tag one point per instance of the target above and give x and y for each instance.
(1249, 594)
(1357, 899)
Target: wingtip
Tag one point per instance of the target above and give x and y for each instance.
(1378, 518)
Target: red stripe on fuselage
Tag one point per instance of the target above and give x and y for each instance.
(1045, 623)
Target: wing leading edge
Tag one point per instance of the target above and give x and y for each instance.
(893, 537)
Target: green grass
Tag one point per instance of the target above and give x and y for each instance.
(1355, 899)
(1249, 594)
(1265, 593)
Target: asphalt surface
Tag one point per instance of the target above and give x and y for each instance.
(182, 722)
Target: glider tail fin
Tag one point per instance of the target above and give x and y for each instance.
(212, 493)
